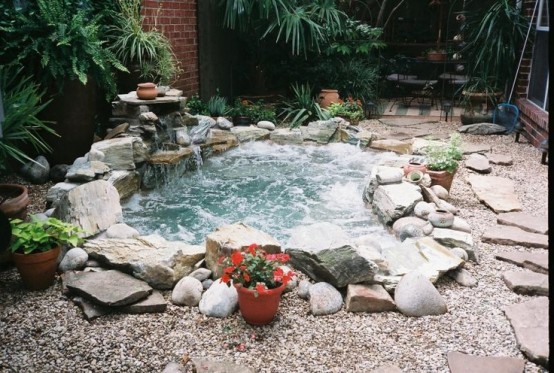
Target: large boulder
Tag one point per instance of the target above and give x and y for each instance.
(416, 296)
(324, 252)
(286, 136)
(151, 258)
(235, 237)
(55, 193)
(74, 259)
(219, 300)
(87, 171)
(324, 299)
(250, 133)
(126, 182)
(320, 131)
(187, 292)
(394, 201)
(122, 153)
(37, 171)
(455, 238)
(92, 206)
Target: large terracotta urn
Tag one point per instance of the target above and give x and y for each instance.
(327, 97)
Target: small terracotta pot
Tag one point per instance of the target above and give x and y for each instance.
(37, 270)
(327, 97)
(442, 178)
(259, 309)
(414, 176)
(15, 199)
(414, 166)
(147, 91)
(441, 218)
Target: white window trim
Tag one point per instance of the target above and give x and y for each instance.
(539, 17)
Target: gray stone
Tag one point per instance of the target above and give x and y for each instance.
(220, 140)
(320, 131)
(204, 120)
(286, 136)
(482, 129)
(463, 363)
(203, 365)
(408, 220)
(410, 231)
(447, 206)
(74, 259)
(355, 136)
(469, 148)
(422, 209)
(427, 229)
(235, 237)
(397, 146)
(393, 201)
(37, 171)
(508, 235)
(526, 282)
(463, 277)
(495, 192)
(499, 159)
(86, 172)
(182, 137)
(460, 253)
(55, 193)
(126, 182)
(416, 296)
(527, 222)
(323, 252)
(324, 299)
(121, 230)
(387, 369)
(250, 133)
(368, 298)
(90, 309)
(265, 124)
(460, 224)
(388, 175)
(154, 303)
(452, 238)
(219, 300)
(117, 131)
(92, 206)
(224, 123)
(537, 262)
(174, 367)
(151, 258)
(479, 163)
(58, 172)
(201, 274)
(187, 292)
(148, 118)
(207, 283)
(530, 321)
(95, 155)
(108, 288)
(440, 192)
(120, 152)
(304, 289)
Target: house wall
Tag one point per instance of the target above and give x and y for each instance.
(177, 19)
(534, 120)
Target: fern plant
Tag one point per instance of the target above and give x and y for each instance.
(217, 106)
(303, 107)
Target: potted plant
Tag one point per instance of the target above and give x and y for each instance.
(259, 282)
(303, 107)
(351, 110)
(36, 246)
(240, 111)
(442, 161)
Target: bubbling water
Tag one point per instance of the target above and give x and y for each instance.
(271, 187)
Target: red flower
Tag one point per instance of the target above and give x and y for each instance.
(252, 249)
(260, 287)
(225, 278)
(278, 274)
(246, 276)
(236, 258)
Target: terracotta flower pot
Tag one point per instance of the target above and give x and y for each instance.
(147, 91)
(259, 309)
(14, 199)
(327, 97)
(414, 166)
(37, 270)
(442, 178)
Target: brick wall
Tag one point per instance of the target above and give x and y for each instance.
(177, 19)
(533, 119)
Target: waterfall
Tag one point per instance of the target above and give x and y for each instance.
(197, 154)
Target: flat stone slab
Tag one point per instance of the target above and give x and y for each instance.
(530, 322)
(131, 98)
(90, 309)
(527, 222)
(500, 159)
(464, 363)
(204, 365)
(506, 235)
(368, 298)
(495, 192)
(526, 282)
(387, 369)
(537, 262)
(475, 148)
(154, 303)
(109, 288)
(397, 146)
(479, 163)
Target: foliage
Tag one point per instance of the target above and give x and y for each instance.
(196, 106)
(350, 109)
(493, 41)
(299, 23)
(356, 38)
(217, 106)
(255, 269)
(59, 41)
(22, 103)
(43, 235)
(256, 111)
(303, 107)
(444, 157)
(150, 50)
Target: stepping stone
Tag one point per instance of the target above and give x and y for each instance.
(392, 145)
(463, 363)
(368, 298)
(475, 148)
(109, 288)
(529, 223)
(90, 309)
(479, 163)
(154, 303)
(500, 159)
(530, 322)
(526, 283)
(537, 262)
(203, 365)
(387, 369)
(506, 235)
(495, 192)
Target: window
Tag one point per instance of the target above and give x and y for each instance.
(538, 81)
